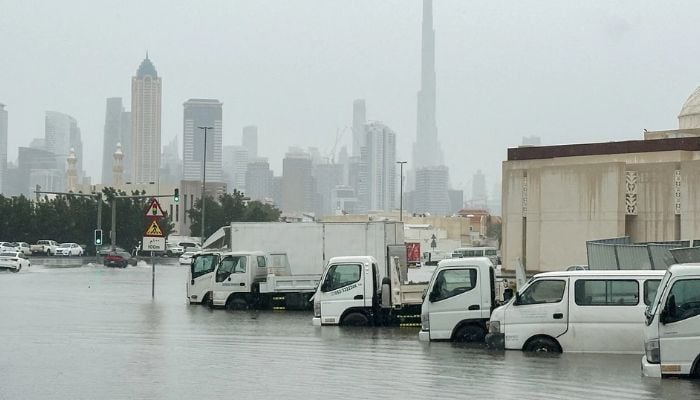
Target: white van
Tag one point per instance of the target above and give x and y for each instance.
(577, 311)
(672, 332)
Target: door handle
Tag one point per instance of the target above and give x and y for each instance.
(558, 315)
(473, 307)
(358, 297)
(242, 284)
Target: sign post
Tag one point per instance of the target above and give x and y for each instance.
(153, 238)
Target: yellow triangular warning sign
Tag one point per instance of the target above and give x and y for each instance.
(154, 230)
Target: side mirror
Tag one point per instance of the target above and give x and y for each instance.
(518, 299)
(324, 287)
(507, 295)
(425, 292)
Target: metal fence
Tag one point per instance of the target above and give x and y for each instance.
(621, 254)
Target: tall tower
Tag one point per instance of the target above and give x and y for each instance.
(72, 171)
(118, 166)
(3, 146)
(250, 141)
(426, 149)
(112, 136)
(359, 119)
(202, 112)
(145, 123)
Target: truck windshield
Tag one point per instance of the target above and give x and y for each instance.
(203, 264)
(231, 265)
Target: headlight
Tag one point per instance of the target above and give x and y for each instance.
(317, 309)
(494, 326)
(653, 351)
(425, 321)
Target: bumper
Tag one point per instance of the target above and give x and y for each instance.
(650, 370)
(9, 266)
(316, 321)
(116, 264)
(495, 341)
(424, 336)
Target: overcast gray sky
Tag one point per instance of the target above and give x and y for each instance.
(568, 71)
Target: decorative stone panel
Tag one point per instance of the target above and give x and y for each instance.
(631, 181)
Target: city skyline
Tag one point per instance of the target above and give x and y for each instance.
(550, 95)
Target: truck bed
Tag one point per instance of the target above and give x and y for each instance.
(412, 294)
(290, 284)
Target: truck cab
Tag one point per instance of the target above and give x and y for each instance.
(236, 280)
(459, 300)
(200, 275)
(672, 331)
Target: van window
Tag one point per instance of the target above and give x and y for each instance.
(341, 275)
(261, 262)
(543, 291)
(650, 288)
(451, 282)
(687, 295)
(606, 292)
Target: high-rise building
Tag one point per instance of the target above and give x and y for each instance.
(171, 164)
(297, 182)
(235, 165)
(327, 176)
(431, 194)
(258, 180)
(378, 160)
(145, 123)
(479, 196)
(359, 119)
(62, 133)
(3, 146)
(202, 113)
(426, 149)
(250, 140)
(117, 129)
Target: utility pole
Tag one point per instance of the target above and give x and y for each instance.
(204, 176)
(98, 197)
(401, 163)
(113, 235)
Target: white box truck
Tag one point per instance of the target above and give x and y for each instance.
(308, 246)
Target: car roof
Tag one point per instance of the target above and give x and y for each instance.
(594, 273)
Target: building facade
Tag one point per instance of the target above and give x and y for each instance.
(235, 166)
(431, 193)
(298, 192)
(258, 180)
(202, 113)
(145, 124)
(379, 162)
(359, 119)
(3, 146)
(117, 130)
(249, 140)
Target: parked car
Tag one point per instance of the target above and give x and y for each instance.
(69, 249)
(172, 249)
(24, 248)
(186, 257)
(189, 246)
(44, 247)
(9, 246)
(13, 260)
(119, 258)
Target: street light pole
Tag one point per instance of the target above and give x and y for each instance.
(204, 175)
(401, 163)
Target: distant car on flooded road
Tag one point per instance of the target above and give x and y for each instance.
(13, 261)
(186, 257)
(69, 249)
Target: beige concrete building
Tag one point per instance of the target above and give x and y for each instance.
(555, 198)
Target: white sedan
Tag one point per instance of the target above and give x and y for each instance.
(69, 249)
(24, 248)
(14, 261)
(186, 257)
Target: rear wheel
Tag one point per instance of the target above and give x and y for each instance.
(543, 345)
(355, 319)
(470, 334)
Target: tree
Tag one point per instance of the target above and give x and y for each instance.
(229, 207)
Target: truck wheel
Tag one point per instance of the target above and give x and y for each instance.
(470, 334)
(543, 345)
(355, 319)
(236, 303)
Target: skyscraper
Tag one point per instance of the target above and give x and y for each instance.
(3, 146)
(426, 149)
(478, 190)
(117, 129)
(235, 166)
(202, 112)
(359, 119)
(250, 140)
(258, 180)
(62, 133)
(145, 123)
(297, 182)
(431, 194)
(378, 159)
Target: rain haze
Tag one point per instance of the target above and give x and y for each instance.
(566, 71)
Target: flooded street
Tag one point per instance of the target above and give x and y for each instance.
(78, 332)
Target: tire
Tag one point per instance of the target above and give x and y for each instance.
(543, 345)
(16, 270)
(469, 334)
(236, 303)
(355, 319)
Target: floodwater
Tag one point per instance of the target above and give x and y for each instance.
(72, 331)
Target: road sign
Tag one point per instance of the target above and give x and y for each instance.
(154, 210)
(151, 243)
(154, 230)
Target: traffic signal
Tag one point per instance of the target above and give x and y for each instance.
(98, 237)
(176, 195)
